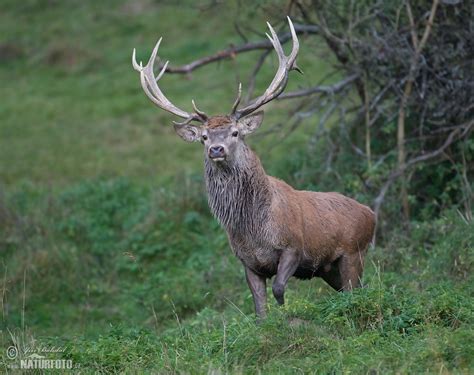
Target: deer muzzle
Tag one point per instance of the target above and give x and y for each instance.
(217, 152)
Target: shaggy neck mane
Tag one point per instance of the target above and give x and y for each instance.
(238, 192)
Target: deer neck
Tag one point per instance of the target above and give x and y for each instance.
(238, 192)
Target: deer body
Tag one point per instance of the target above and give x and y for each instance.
(272, 228)
(326, 234)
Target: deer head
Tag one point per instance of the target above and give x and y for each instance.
(221, 135)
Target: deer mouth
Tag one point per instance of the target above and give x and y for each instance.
(217, 158)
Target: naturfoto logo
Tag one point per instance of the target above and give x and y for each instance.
(30, 358)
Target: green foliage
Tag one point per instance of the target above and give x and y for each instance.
(332, 336)
(161, 292)
(100, 213)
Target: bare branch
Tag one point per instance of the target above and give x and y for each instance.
(234, 50)
(414, 37)
(421, 158)
(241, 34)
(324, 89)
(407, 93)
(253, 76)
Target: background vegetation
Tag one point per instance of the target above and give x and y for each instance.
(107, 246)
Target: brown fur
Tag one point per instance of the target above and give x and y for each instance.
(217, 122)
(272, 228)
(277, 230)
(323, 226)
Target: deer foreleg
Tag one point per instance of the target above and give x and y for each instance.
(258, 287)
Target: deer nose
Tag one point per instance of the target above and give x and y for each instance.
(216, 151)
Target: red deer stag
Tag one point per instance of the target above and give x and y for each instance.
(272, 228)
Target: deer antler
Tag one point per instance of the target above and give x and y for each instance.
(150, 86)
(286, 63)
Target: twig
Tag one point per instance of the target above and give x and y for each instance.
(256, 69)
(430, 155)
(331, 89)
(368, 150)
(407, 92)
(241, 34)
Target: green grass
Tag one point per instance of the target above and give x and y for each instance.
(72, 106)
(128, 277)
(107, 245)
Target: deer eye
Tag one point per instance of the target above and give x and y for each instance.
(235, 133)
(204, 137)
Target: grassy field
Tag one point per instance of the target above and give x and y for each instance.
(108, 249)
(72, 106)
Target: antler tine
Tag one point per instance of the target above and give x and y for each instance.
(163, 70)
(278, 84)
(296, 44)
(275, 41)
(237, 100)
(152, 90)
(295, 49)
(136, 66)
(187, 121)
(199, 112)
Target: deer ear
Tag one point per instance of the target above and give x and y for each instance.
(188, 132)
(251, 122)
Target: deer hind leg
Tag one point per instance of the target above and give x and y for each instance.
(287, 265)
(332, 275)
(351, 267)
